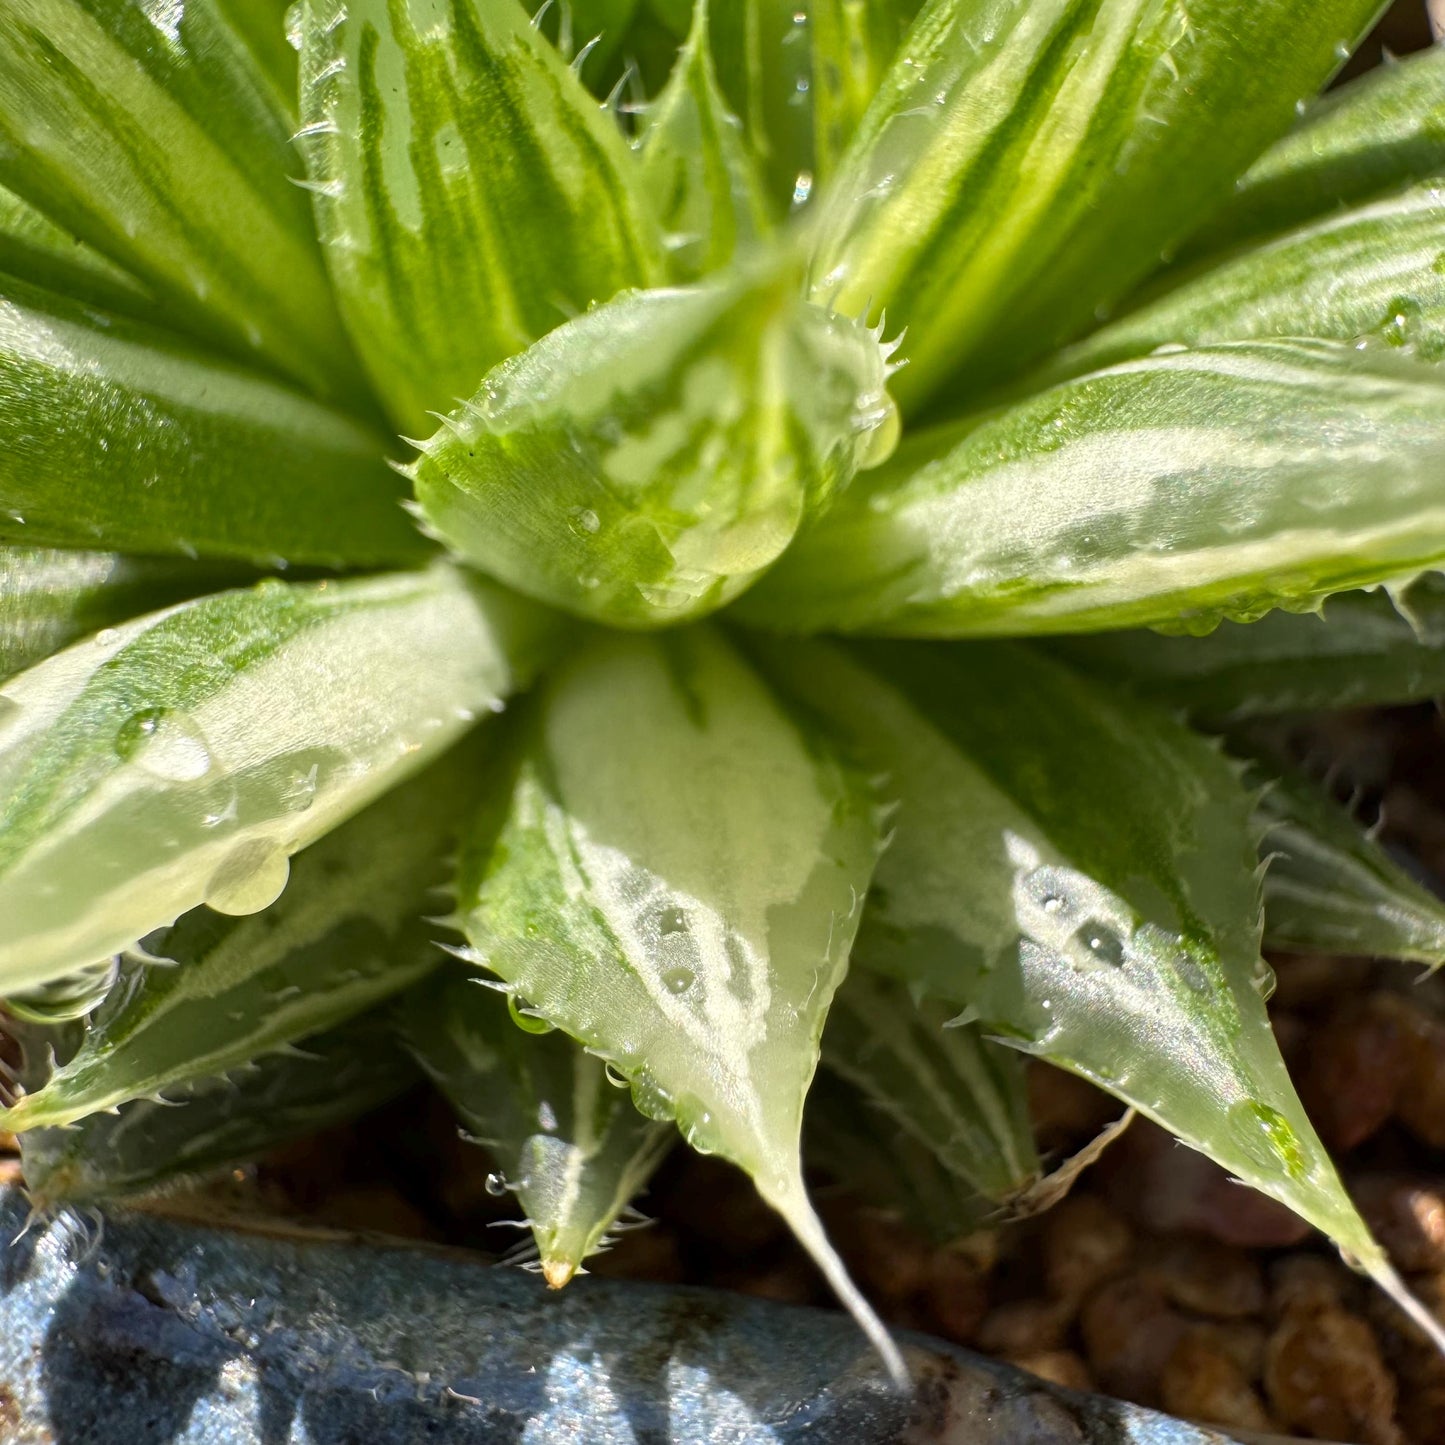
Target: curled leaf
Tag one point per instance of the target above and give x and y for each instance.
(643, 463)
(470, 194)
(570, 1146)
(1174, 490)
(182, 758)
(676, 885)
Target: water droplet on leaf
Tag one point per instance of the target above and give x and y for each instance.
(252, 877)
(166, 744)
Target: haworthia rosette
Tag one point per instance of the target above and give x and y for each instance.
(1376, 268)
(181, 758)
(115, 434)
(569, 1144)
(1377, 134)
(1078, 872)
(470, 194)
(957, 1093)
(642, 464)
(676, 885)
(703, 179)
(1361, 649)
(1027, 161)
(50, 598)
(215, 992)
(1329, 887)
(1177, 489)
(154, 135)
(205, 1125)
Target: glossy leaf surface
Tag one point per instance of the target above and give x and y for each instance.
(155, 135)
(1078, 872)
(1027, 161)
(960, 1095)
(570, 1145)
(641, 464)
(676, 885)
(1176, 489)
(181, 758)
(469, 192)
(1380, 133)
(1362, 648)
(696, 165)
(115, 435)
(1331, 888)
(214, 992)
(1374, 269)
(49, 598)
(210, 1124)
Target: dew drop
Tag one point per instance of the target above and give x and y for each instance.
(527, 1022)
(251, 877)
(1267, 1137)
(678, 980)
(881, 441)
(167, 744)
(1262, 979)
(614, 1076)
(802, 188)
(585, 521)
(496, 1185)
(671, 920)
(1102, 942)
(300, 793)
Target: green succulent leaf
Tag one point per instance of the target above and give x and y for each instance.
(34, 249)
(1027, 161)
(1078, 872)
(1331, 888)
(764, 63)
(215, 992)
(854, 44)
(571, 1146)
(1173, 490)
(469, 192)
(676, 885)
(642, 464)
(117, 435)
(1360, 649)
(848, 1136)
(206, 1125)
(695, 163)
(1375, 268)
(182, 758)
(957, 1093)
(1381, 132)
(154, 135)
(49, 599)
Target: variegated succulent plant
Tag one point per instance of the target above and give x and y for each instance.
(806, 659)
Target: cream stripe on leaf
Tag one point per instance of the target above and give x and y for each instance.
(181, 758)
(676, 885)
(1077, 871)
(568, 1143)
(153, 133)
(1027, 161)
(469, 193)
(215, 992)
(1178, 489)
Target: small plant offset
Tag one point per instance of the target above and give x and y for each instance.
(781, 399)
